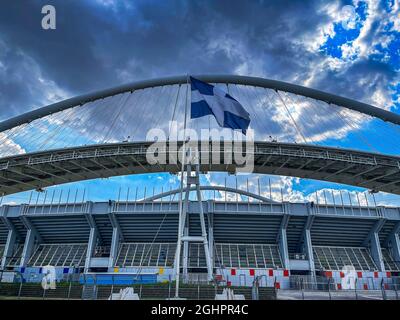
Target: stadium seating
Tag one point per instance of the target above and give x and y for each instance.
(335, 258)
(247, 256)
(261, 256)
(232, 255)
(59, 255)
(15, 260)
(146, 254)
(390, 264)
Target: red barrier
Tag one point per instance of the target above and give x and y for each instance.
(271, 273)
(386, 286)
(328, 274)
(286, 273)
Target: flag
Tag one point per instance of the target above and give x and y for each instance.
(207, 99)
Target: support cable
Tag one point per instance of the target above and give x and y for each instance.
(291, 117)
(174, 110)
(122, 105)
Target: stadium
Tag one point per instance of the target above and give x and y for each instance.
(256, 241)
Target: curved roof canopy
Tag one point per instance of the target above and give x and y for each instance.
(35, 170)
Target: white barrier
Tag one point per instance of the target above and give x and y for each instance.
(228, 294)
(124, 294)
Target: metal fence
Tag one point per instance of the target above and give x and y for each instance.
(84, 287)
(318, 287)
(93, 288)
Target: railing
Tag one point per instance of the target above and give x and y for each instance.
(301, 287)
(346, 210)
(137, 206)
(311, 283)
(90, 288)
(19, 289)
(310, 287)
(55, 208)
(106, 151)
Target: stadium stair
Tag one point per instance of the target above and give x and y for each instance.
(89, 292)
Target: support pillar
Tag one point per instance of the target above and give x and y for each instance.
(9, 248)
(376, 251)
(90, 249)
(306, 238)
(12, 237)
(114, 247)
(393, 243)
(282, 238)
(374, 244)
(32, 236)
(28, 247)
(283, 248)
(183, 212)
(309, 250)
(117, 237)
(395, 247)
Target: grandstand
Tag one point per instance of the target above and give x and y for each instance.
(249, 239)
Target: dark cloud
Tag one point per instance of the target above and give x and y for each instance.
(358, 81)
(100, 44)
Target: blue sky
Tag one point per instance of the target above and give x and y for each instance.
(103, 43)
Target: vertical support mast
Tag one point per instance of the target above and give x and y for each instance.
(203, 225)
(179, 243)
(184, 205)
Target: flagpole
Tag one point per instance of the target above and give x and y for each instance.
(180, 227)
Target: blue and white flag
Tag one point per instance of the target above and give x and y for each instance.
(208, 99)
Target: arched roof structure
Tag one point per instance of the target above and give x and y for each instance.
(35, 170)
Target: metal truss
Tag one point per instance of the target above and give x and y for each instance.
(374, 171)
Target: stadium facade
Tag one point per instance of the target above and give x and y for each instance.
(136, 241)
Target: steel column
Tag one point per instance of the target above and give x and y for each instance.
(28, 247)
(374, 243)
(393, 243)
(114, 247)
(91, 246)
(283, 248)
(9, 248)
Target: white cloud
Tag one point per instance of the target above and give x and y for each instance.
(8, 146)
